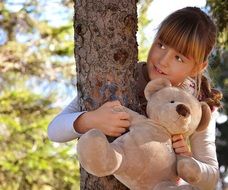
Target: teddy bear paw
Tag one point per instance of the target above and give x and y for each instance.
(96, 154)
(92, 145)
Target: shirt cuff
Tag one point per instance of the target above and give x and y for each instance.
(71, 119)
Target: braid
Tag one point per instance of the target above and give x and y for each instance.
(208, 94)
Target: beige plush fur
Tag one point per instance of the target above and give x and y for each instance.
(143, 158)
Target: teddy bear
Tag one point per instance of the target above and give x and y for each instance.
(143, 158)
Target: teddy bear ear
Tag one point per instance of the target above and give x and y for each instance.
(155, 85)
(206, 117)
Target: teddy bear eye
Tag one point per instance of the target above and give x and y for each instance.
(172, 101)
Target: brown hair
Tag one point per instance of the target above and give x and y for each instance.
(192, 33)
(208, 94)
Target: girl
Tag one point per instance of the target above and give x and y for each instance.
(179, 53)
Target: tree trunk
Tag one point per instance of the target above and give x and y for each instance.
(105, 53)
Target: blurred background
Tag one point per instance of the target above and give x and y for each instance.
(38, 77)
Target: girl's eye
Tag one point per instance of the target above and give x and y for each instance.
(161, 45)
(179, 59)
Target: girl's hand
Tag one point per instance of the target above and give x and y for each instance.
(106, 118)
(180, 146)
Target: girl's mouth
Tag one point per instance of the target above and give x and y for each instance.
(159, 71)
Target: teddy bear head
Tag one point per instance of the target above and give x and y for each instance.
(176, 110)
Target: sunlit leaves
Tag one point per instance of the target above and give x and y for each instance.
(219, 10)
(27, 156)
(143, 22)
(33, 52)
(40, 43)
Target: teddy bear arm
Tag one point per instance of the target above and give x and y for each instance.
(96, 154)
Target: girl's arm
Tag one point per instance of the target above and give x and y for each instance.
(61, 128)
(71, 123)
(204, 151)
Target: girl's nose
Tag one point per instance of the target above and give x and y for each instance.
(165, 58)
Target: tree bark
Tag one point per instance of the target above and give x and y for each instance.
(105, 53)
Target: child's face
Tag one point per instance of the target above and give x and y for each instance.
(165, 62)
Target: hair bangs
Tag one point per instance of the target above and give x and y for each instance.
(184, 38)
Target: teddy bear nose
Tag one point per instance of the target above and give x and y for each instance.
(183, 110)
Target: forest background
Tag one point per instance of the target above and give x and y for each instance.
(38, 74)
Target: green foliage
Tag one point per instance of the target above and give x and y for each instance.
(42, 45)
(34, 51)
(143, 22)
(219, 10)
(28, 159)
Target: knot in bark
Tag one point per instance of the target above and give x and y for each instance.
(121, 56)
